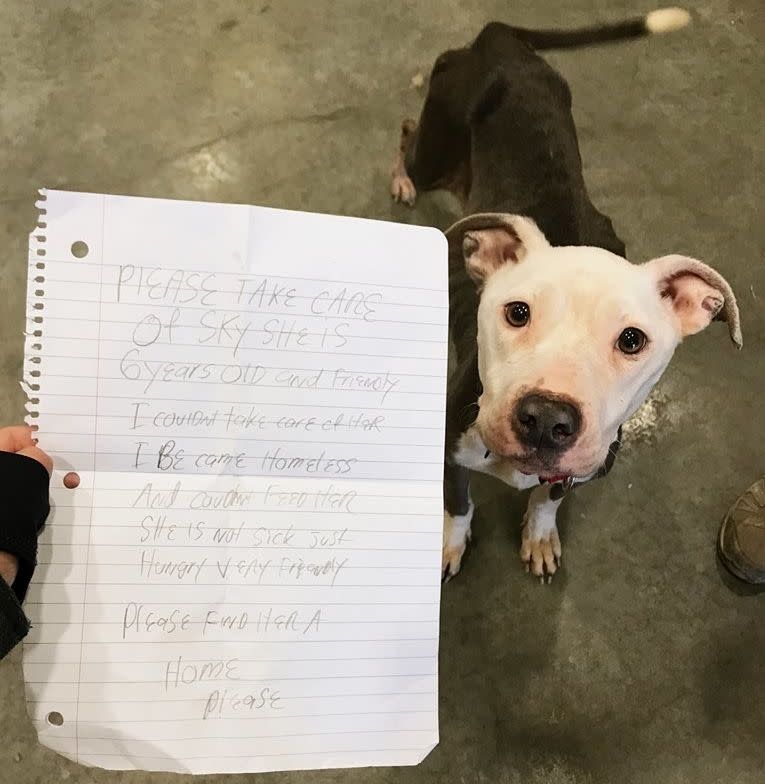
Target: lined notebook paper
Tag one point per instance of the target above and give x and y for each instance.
(248, 576)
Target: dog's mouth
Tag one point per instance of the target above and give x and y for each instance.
(550, 470)
(549, 467)
(530, 462)
(533, 464)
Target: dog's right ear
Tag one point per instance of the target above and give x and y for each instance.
(488, 240)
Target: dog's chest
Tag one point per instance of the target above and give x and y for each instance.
(470, 452)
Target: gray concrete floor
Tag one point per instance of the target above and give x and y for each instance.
(641, 662)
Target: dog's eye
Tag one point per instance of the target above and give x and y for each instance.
(517, 314)
(631, 341)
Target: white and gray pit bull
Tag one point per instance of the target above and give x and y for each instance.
(558, 338)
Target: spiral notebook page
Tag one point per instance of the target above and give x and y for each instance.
(248, 576)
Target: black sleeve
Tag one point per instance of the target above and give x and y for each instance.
(24, 507)
(13, 623)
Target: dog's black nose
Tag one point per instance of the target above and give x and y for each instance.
(543, 422)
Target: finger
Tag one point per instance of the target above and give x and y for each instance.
(15, 437)
(37, 454)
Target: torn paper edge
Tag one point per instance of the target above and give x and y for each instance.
(34, 329)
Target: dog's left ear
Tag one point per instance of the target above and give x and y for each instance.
(697, 294)
(486, 241)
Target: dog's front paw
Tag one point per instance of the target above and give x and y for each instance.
(540, 551)
(402, 189)
(456, 538)
(451, 561)
(451, 558)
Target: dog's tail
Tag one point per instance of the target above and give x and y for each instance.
(662, 20)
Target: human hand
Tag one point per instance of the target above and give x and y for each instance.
(20, 439)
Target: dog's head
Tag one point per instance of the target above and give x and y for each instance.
(572, 339)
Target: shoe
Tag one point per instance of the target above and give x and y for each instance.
(741, 544)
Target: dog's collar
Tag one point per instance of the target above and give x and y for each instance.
(553, 480)
(559, 485)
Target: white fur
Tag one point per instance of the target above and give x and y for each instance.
(666, 20)
(471, 453)
(456, 536)
(540, 543)
(581, 298)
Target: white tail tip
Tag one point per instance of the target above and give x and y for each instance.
(667, 20)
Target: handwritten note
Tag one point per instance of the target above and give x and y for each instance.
(247, 577)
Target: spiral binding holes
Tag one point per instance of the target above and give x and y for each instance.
(33, 333)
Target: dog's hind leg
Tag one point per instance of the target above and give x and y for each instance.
(458, 514)
(401, 186)
(435, 151)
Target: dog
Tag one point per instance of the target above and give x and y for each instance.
(558, 338)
